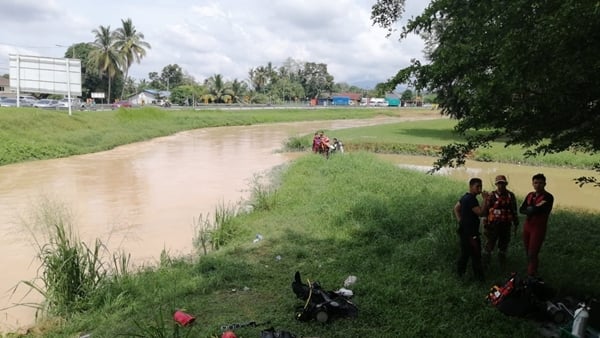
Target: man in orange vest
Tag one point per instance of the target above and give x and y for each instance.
(537, 206)
(501, 216)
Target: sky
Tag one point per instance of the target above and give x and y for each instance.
(227, 37)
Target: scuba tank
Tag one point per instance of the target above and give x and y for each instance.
(580, 319)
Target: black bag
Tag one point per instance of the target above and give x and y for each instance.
(320, 304)
(519, 297)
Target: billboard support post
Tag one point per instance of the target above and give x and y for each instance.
(18, 81)
(70, 104)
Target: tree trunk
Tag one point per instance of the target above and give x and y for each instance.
(125, 81)
(109, 89)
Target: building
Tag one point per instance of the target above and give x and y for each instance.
(393, 99)
(353, 98)
(149, 96)
(340, 101)
(5, 88)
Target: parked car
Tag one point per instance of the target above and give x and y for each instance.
(8, 103)
(119, 104)
(46, 103)
(75, 103)
(13, 103)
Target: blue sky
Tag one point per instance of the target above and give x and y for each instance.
(225, 37)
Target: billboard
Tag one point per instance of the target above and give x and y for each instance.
(38, 74)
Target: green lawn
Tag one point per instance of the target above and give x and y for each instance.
(426, 137)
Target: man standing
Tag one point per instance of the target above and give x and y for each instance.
(537, 206)
(467, 212)
(501, 216)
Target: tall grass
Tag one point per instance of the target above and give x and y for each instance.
(72, 273)
(211, 234)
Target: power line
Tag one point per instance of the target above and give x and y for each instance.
(22, 46)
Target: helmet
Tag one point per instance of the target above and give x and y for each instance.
(228, 334)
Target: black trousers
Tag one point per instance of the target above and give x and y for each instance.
(470, 247)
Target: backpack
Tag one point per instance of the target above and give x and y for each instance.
(519, 297)
(320, 304)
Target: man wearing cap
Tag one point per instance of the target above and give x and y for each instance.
(501, 214)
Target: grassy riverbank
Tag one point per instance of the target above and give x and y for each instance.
(427, 137)
(355, 215)
(32, 134)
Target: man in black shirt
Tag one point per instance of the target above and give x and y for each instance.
(467, 212)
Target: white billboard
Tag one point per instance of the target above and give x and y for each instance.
(38, 74)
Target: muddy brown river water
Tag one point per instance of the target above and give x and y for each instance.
(143, 197)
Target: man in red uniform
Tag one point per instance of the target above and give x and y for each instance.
(537, 206)
(316, 145)
(501, 216)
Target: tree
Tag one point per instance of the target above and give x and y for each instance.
(186, 94)
(238, 90)
(219, 90)
(155, 81)
(407, 95)
(131, 45)
(315, 79)
(104, 55)
(258, 78)
(523, 72)
(172, 76)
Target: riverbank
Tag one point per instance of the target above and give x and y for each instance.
(29, 134)
(329, 223)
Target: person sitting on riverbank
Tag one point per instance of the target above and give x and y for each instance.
(338, 146)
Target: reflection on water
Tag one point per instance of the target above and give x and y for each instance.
(560, 182)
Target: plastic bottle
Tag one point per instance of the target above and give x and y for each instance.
(580, 319)
(350, 281)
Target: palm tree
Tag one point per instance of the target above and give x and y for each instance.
(258, 78)
(238, 89)
(130, 44)
(105, 55)
(218, 88)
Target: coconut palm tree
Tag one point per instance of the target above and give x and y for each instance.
(238, 89)
(130, 43)
(104, 55)
(219, 89)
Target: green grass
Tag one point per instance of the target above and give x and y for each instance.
(72, 274)
(392, 228)
(427, 137)
(32, 134)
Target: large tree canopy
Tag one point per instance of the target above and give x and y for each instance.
(527, 71)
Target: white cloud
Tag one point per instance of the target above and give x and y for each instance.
(227, 37)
